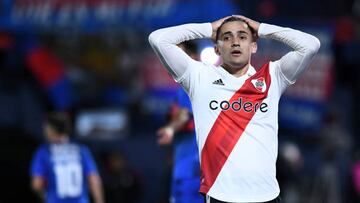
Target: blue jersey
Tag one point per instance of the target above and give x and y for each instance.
(65, 168)
(186, 171)
(183, 100)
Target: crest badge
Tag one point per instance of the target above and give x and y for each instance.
(259, 84)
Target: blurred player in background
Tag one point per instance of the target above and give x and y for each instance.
(235, 107)
(180, 131)
(63, 171)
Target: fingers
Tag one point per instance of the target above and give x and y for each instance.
(247, 20)
(165, 135)
(244, 18)
(240, 16)
(216, 24)
(165, 131)
(164, 140)
(254, 24)
(160, 132)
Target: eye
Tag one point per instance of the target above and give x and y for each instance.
(226, 38)
(243, 37)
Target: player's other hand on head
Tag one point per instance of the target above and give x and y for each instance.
(215, 25)
(252, 23)
(165, 135)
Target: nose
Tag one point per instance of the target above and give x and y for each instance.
(235, 43)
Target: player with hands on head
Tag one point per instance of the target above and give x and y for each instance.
(235, 106)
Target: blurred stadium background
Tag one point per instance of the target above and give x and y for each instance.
(91, 58)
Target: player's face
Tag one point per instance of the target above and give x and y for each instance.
(235, 44)
(50, 134)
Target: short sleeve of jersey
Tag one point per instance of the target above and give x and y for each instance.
(38, 164)
(183, 99)
(88, 162)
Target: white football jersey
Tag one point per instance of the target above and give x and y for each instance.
(236, 128)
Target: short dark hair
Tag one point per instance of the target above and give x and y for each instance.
(233, 19)
(59, 121)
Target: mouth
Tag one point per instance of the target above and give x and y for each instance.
(236, 53)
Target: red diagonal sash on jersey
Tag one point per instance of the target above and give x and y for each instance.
(228, 128)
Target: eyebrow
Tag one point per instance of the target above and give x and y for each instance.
(229, 32)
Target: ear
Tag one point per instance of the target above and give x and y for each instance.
(253, 47)
(216, 49)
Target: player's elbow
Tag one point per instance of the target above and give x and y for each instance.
(314, 46)
(94, 180)
(154, 38)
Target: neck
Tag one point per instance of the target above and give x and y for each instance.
(62, 139)
(237, 72)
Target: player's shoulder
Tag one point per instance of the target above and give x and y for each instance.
(273, 66)
(201, 64)
(268, 67)
(200, 68)
(44, 147)
(78, 145)
(207, 67)
(42, 150)
(74, 145)
(83, 149)
(277, 75)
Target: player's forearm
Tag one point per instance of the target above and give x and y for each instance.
(177, 34)
(305, 47)
(95, 186)
(38, 186)
(164, 42)
(300, 41)
(180, 120)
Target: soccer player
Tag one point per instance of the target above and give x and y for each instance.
(62, 171)
(235, 106)
(180, 131)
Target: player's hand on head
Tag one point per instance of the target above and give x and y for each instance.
(252, 23)
(215, 25)
(165, 135)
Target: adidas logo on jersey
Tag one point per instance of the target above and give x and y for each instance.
(218, 82)
(259, 84)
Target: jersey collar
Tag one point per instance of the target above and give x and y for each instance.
(251, 71)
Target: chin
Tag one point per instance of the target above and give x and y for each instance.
(238, 65)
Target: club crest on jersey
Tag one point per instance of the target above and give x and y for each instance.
(259, 84)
